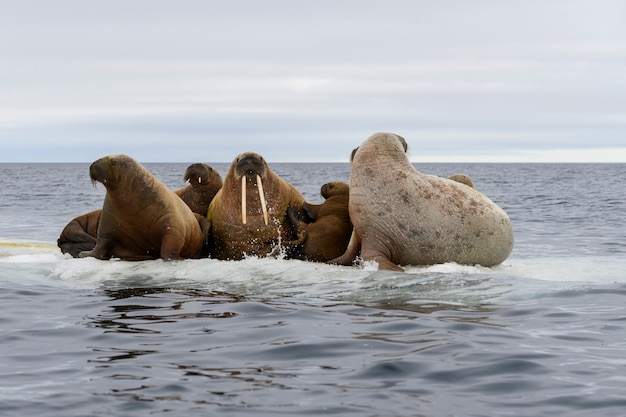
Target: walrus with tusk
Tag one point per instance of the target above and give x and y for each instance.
(248, 215)
(203, 183)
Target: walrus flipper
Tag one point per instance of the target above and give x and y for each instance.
(171, 246)
(385, 264)
(310, 211)
(75, 248)
(102, 250)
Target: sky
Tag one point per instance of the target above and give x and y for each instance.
(308, 81)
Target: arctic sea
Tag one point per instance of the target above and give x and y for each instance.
(542, 334)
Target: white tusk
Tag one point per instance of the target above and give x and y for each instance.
(262, 197)
(199, 180)
(243, 199)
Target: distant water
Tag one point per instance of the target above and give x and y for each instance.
(543, 334)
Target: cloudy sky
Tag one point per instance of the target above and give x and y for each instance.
(202, 80)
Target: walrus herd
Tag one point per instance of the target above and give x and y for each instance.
(389, 213)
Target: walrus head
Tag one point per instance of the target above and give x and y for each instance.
(251, 168)
(400, 138)
(334, 188)
(201, 174)
(106, 169)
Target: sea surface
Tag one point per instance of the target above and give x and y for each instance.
(543, 334)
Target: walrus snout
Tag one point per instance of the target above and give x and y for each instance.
(106, 168)
(197, 174)
(99, 171)
(250, 165)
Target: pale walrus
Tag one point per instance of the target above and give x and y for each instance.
(328, 230)
(463, 179)
(248, 215)
(80, 233)
(204, 183)
(141, 217)
(404, 217)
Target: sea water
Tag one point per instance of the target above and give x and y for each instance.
(542, 334)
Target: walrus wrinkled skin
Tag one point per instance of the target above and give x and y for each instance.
(80, 233)
(404, 217)
(141, 217)
(243, 228)
(329, 228)
(204, 183)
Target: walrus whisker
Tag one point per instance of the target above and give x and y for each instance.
(262, 197)
(243, 199)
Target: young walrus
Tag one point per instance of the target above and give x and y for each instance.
(328, 228)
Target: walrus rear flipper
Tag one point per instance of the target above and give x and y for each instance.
(75, 248)
(352, 251)
(79, 235)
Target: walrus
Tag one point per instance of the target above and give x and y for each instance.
(141, 217)
(463, 179)
(404, 217)
(248, 215)
(327, 227)
(80, 233)
(204, 183)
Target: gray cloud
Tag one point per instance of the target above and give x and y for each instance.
(309, 81)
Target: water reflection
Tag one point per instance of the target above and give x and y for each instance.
(161, 347)
(142, 310)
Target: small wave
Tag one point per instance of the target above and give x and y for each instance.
(450, 284)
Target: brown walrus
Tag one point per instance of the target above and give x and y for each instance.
(404, 217)
(80, 233)
(204, 183)
(327, 235)
(248, 215)
(141, 217)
